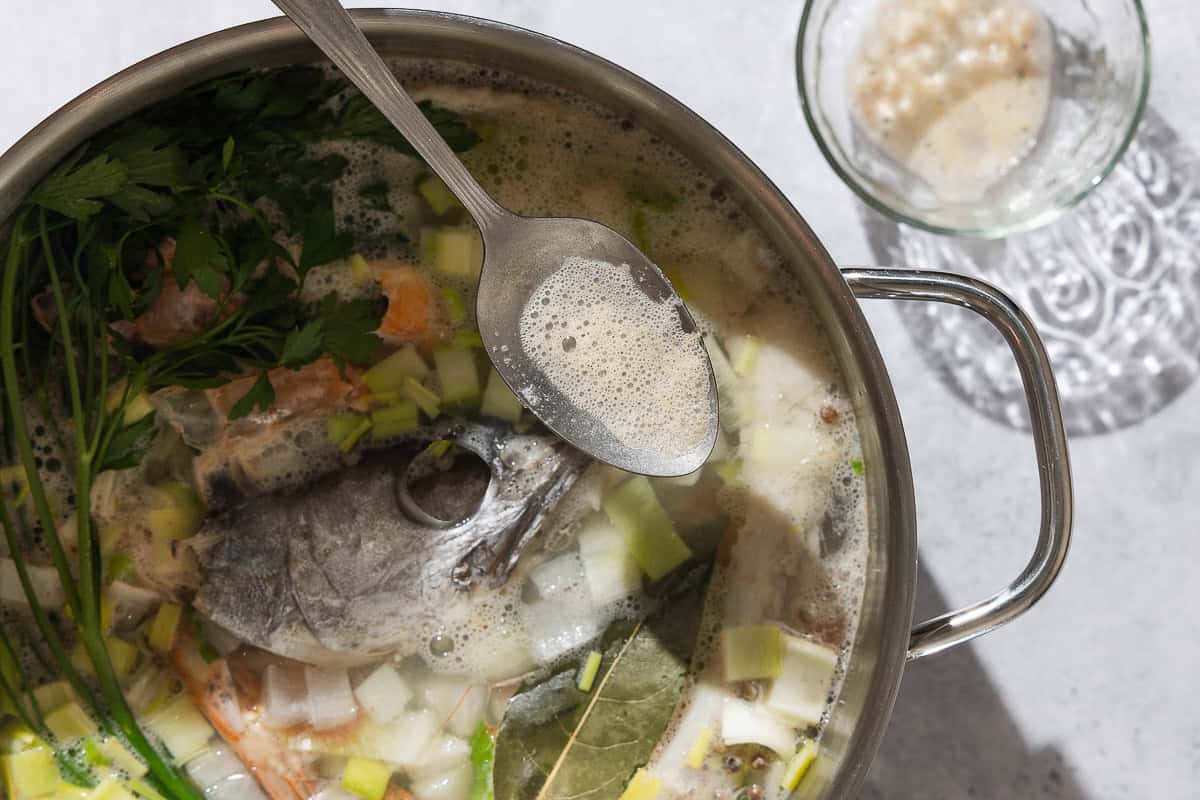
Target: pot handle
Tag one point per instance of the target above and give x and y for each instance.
(1054, 473)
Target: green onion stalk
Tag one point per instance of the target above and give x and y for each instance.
(93, 427)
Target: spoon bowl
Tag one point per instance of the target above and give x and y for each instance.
(657, 415)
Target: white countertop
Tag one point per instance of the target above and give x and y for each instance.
(1094, 693)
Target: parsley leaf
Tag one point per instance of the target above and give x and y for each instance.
(129, 444)
(302, 345)
(358, 119)
(199, 257)
(349, 327)
(261, 394)
(72, 191)
(322, 241)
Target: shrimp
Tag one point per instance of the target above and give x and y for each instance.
(282, 773)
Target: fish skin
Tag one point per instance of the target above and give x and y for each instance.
(338, 572)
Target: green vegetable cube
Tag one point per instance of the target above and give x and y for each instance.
(454, 252)
(499, 401)
(394, 420)
(389, 374)
(750, 652)
(436, 194)
(164, 626)
(30, 774)
(366, 778)
(346, 429)
(111, 789)
(70, 722)
(458, 376)
(423, 396)
(635, 511)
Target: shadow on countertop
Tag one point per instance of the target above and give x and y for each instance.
(952, 738)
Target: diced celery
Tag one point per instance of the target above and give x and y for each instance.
(182, 729)
(178, 512)
(587, 674)
(458, 376)
(699, 749)
(366, 778)
(642, 786)
(161, 635)
(51, 696)
(424, 397)
(750, 652)
(435, 193)
(635, 511)
(454, 252)
(111, 789)
(346, 429)
(801, 691)
(455, 307)
(123, 656)
(117, 755)
(389, 374)
(499, 401)
(30, 773)
(798, 766)
(731, 415)
(70, 722)
(394, 420)
(360, 270)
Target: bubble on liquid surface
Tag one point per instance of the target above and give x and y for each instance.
(658, 399)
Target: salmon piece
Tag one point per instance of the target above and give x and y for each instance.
(313, 387)
(412, 313)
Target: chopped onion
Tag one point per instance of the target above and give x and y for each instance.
(802, 690)
(383, 695)
(405, 742)
(450, 785)
(220, 774)
(330, 701)
(750, 723)
(556, 627)
(457, 701)
(285, 699)
(608, 563)
(46, 585)
(444, 754)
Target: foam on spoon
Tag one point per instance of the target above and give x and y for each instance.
(619, 355)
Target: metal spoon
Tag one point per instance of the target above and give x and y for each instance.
(519, 254)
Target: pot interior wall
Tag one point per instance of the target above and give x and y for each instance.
(858, 720)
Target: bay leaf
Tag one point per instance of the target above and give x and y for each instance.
(559, 743)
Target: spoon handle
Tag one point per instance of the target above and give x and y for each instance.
(330, 27)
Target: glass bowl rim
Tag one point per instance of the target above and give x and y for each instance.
(808, 106)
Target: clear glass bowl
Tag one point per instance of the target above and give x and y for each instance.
(1099, 76)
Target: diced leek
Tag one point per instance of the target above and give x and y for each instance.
(92, 754)
(119, 567)
(30, 773)
(182, 729)
(346, 429)
(425, 398)
(587, 675)
(458, 376)
(802, 690)
(116, 754)
(161, 635)
(699, 749)
(394, 420)
(750, 652)
(744, 351)
(69, 791)
(731, 416)
(144, 790)
(438, 197)
(798, 766)
(751, 723)
(123, 656)
(111, 789)
(51, 696)
(389, 374)
(360, 270)
(642, 786)
(16, 736)
(70, 722)
(455, 307)
(366, 778)
(635, 511)
(454, 252)
(499, 401)
(178, 513)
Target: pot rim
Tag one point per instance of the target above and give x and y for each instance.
(884, 627)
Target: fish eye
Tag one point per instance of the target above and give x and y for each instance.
(443, 490)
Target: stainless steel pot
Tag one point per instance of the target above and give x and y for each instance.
(886, 637)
